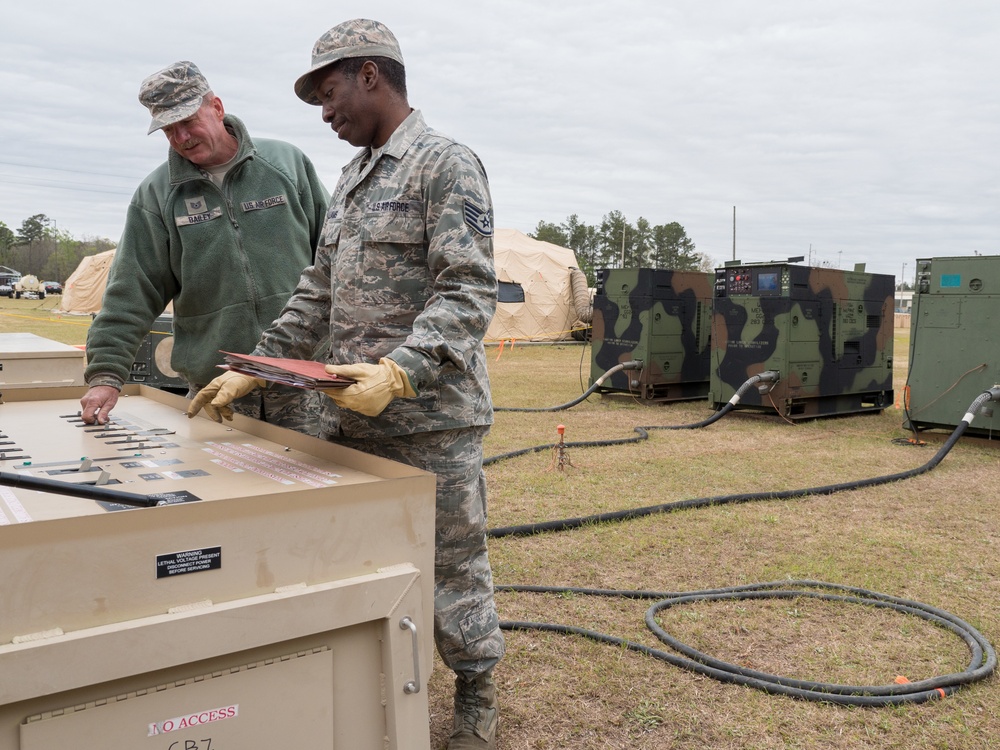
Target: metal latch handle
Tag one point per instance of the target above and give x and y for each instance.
(413, 686)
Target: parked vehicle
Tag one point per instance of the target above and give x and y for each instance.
(6, 290)
(29, 287)
(52, 287)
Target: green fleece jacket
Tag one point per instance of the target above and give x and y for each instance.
(228, 258)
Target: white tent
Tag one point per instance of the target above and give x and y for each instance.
(84, 289)
(536, 291)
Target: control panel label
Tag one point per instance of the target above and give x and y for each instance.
(190, 561)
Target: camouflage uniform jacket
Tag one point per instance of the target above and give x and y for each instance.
(229, 258)
(406, 272)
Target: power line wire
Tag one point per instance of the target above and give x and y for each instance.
(78, 187)
(64, 169)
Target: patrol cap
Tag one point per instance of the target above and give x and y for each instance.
(173, 94)
(358, 38)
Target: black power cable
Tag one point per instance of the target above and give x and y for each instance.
(829, 489)
(982, 662)
(768, 376)
(632, 365)
(643, 435)
(92, 492)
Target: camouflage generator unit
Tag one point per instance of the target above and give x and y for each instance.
(827, 333)
(660, 317)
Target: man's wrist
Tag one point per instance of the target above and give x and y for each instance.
(105, 378)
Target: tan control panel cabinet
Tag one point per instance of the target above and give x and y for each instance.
(289, 606)
(27, 360)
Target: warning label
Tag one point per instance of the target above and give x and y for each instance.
(194, 720)
(191, 561)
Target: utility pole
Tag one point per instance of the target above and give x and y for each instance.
(734, 232)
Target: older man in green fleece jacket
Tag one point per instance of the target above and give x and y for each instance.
(222, 229)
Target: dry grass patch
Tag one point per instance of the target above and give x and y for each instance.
(42, 318)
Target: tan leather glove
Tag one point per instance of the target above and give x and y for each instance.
(215, 397)
(376, 386)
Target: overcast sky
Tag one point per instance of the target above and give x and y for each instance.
(849, 131)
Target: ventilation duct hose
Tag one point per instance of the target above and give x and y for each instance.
(581, 295)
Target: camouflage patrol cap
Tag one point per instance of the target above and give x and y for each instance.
(358, 38)
(173, 94)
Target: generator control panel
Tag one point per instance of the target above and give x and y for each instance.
(770, 280)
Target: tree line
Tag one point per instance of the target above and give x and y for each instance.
(40, 248)
(617, 243)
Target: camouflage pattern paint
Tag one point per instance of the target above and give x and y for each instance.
(828, 332)
(661, 317)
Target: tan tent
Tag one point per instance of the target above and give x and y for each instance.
(536, 292)
(84, 289)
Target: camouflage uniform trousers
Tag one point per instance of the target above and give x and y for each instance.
(308, 412)
(466, 624)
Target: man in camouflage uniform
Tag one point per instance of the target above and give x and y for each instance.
(405, 283)
(223, 229)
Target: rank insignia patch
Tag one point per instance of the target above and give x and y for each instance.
(479, 219)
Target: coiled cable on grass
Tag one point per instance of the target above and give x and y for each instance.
(982, 662)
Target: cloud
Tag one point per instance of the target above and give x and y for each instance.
(866, 131)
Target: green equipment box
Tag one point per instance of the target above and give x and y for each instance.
(152, 361)
(953, 347)
(828, 333)
(661, 317)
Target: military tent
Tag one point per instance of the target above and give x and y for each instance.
(536, 300)
(84, 289)
(83, 292)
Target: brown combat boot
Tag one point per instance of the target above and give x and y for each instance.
(476, 714)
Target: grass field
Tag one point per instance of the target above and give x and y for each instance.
(934, 539)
